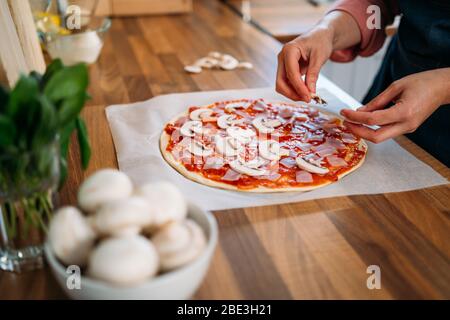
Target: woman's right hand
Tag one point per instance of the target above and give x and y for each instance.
(303, 56)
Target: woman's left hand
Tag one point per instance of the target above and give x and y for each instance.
(416, 97)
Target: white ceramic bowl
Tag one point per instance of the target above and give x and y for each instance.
(177, 284)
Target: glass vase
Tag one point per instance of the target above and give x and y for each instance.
(27, 184)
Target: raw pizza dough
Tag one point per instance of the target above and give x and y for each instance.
(328, 126)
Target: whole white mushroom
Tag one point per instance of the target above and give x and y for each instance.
(123, 217)
(124, 261)
(102, 187)
(179, 243)
(70, 236)
(167, 202)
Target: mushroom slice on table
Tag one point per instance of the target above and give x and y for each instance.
(193, 69)
(308, 166)
(167, 202)
(123, 217)
(70, 236)
(201, 113)
(179, 243)
(124, 261)
(265, 125)
(102, 187)
(228, 62)
(207, 62)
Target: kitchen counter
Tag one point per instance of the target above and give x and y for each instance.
(316, 249)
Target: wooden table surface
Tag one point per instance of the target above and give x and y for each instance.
(313, 249)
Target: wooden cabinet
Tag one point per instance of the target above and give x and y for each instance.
(142, 7)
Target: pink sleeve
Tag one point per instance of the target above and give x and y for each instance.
(371, 39)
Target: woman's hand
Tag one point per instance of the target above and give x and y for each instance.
(416, 97)
(305, 55)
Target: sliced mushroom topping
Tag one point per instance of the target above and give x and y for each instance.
(236, 105)
(190, 128)
(198, 149)
(228, 120)
(269, 149)
(243, 135)
(265, 125)
(254, 163)
(200, 114)
(240, 167)
(227, 146)
(308, 166)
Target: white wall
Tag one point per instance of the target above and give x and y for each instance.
(355, 77)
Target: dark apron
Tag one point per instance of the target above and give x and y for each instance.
(422, 43)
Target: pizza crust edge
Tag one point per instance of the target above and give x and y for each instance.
(196, 177)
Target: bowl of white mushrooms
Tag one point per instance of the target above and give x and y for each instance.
(126, 242)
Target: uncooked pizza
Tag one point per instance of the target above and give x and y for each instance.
(261, 146)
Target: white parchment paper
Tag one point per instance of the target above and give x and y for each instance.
(136, 129)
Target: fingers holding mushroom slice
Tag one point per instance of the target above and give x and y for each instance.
(124, 261)
(123, 217)
(308, 166)
(179, 243)
(265, 125)
(166, 200)
(102, 187)
(70, 236)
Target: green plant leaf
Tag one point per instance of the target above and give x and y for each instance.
(62, 172)
(4, 97)
(67, 82)
(71, 107)
(51, 70)
(7, 131)
(46, 129)
(64, 137)
(25, 91)
(83, 141)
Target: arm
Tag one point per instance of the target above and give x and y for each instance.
(371, 40)
(340, 29)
